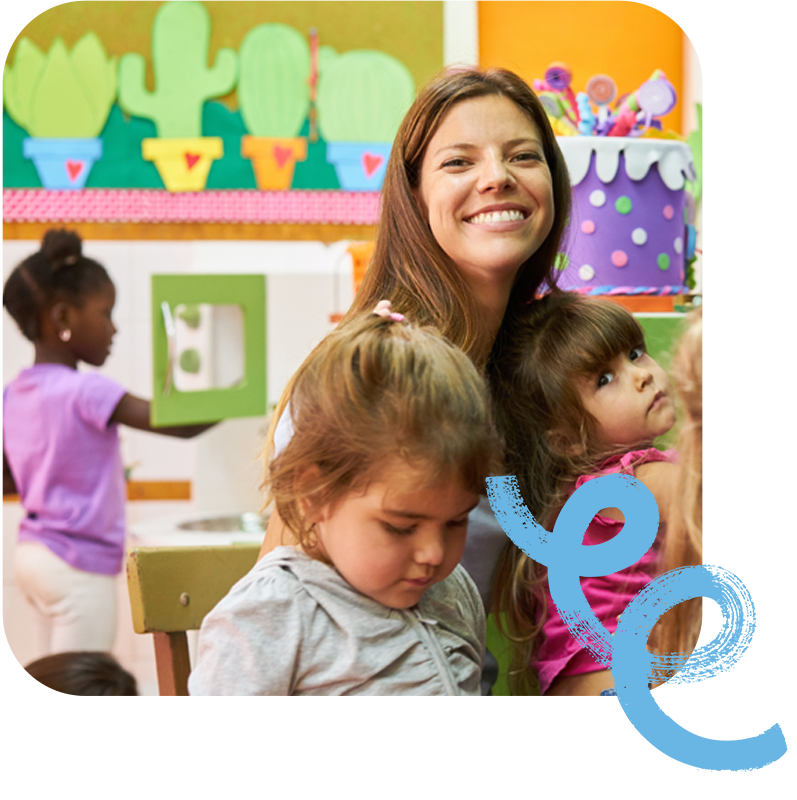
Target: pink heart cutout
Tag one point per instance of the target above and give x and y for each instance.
(191, 159)
(371, 163)
(281, 155)
(74, 168)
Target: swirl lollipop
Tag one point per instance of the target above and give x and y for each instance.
(601, 90)
(558, 77)
(656, 97)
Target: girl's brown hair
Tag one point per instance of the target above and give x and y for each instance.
(550, 438)
(374, 391)
(58, 271)
(84, 673)
(679, 628)
(408, 266)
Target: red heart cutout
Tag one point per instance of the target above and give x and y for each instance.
(281, 155)
(74, 168)
(371, 163)
(191, 159)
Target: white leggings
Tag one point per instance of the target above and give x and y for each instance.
(79, 607)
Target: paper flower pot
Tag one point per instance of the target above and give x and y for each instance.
(62, 163)
(274, 159)
(183, 164)
(360, 165)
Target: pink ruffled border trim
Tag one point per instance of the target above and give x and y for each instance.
(158, 205)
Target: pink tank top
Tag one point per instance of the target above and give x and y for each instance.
(608, 595)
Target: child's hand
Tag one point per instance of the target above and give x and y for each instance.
(383, 310)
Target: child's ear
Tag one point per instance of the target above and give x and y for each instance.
(59, 315)
(561, 442)
(305, 484)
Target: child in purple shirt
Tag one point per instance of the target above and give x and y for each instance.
(61, 445)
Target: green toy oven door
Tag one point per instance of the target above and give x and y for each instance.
(208, 348)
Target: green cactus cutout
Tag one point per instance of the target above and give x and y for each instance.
(273, 89)
(695, 140)
(61, 95)
(363, 96)
(183, 81)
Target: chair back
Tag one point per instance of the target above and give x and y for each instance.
(172, 589)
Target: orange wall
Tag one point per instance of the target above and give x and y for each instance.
(624, 40)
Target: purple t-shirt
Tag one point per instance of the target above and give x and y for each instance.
(66, 463)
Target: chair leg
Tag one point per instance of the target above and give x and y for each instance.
(171, 659)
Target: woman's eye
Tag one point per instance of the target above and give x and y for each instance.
(527, 156)
(604, 379)
(455, 162)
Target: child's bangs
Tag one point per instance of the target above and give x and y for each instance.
(602, 333)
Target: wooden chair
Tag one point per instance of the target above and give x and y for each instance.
(171, 590)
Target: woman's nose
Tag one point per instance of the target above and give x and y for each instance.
(495, 174)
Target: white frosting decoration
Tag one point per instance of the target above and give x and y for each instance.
(586, 273)
(639, 236)
(678, 245)
(597, 198)
(673, 158)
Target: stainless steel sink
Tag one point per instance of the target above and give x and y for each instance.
(249, 522)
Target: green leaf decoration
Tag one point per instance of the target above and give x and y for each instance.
(273, 89)
(20, 80)
(61, 95)
(363, 96)
(97, 74)
(695, 140)
(61, 107)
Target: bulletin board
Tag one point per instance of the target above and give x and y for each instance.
(120, 179)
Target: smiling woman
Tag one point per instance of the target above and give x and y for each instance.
(474, 205)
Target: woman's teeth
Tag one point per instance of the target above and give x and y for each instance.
(496, 216)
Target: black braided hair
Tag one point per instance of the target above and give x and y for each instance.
(57, 272)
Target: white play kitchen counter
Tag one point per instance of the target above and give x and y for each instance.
(200, 528)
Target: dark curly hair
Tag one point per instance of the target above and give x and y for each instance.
(57, 272)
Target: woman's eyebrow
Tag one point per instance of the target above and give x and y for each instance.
(471, 146)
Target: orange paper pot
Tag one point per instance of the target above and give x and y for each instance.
(274, 159)
(183, 164)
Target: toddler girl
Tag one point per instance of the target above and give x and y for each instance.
(392, 441)
(577, 396)
(61, 446)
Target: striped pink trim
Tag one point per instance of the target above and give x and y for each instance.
(158, 205)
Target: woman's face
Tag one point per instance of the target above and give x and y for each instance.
(486, 188)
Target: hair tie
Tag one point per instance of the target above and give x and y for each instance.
(70, 260)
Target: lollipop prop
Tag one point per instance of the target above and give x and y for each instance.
(558, 77)
(635, 112)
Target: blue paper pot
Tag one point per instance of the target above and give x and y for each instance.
(62, 163)
(360, 165)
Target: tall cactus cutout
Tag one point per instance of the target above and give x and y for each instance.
(273, 89)
(183, 81)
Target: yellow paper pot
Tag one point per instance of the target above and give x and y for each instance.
(183, 164)
(274, 159)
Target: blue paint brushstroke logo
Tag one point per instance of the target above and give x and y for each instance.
(625, 653)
